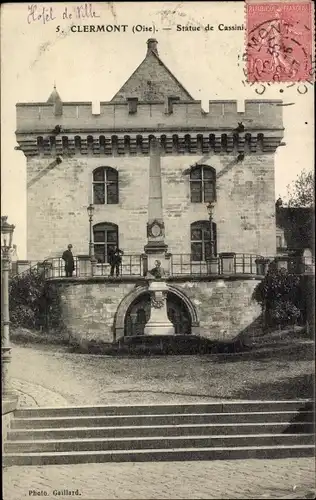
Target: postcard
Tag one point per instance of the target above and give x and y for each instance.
(157, 245)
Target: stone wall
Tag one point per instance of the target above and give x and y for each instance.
(57, 201)
(9, 405)
(225, 307)
(259, 116)
(90, 306)
(6, 424)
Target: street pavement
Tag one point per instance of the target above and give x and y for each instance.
(284, 478)
(83, 379)
(34, 377)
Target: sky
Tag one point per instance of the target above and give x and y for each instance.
(38, 51)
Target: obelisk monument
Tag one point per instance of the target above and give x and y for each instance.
(156, 249)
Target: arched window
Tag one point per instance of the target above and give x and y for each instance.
(202, 184)
(203, 240)
(105, 236)
(105, 186)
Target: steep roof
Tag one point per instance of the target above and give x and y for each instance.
(54, 97)
(152, 81)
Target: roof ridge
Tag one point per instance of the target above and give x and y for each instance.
(140, 88)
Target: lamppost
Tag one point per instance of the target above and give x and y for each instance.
(210, 208)
(90, 210)
(6, 248)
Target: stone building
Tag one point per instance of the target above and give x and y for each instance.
(294, 226)
(167, 180)
(295, 236)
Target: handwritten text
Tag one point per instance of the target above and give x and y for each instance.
(43, 14)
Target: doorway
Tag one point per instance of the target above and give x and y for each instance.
(138, 315)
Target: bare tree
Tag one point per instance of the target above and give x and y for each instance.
(301, 191)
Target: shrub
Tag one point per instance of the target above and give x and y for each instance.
(33, 302)
(278, 294)
(26, 292)
(277, 284)
(23, 315)
(284, 312)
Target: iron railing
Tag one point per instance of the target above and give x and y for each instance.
(131, 265)
(55, 268)
(48, 266)
(183, 264)
(179, 265)
(237, 263)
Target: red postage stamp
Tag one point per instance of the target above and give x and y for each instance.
(279, 41)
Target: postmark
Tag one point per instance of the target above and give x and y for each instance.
(279, 41)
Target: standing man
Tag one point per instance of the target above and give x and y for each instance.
(115, 260)
(69, 261)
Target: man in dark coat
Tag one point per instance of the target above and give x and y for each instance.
(115, 260)
(69, 261)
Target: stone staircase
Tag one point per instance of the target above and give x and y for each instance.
(167, 432)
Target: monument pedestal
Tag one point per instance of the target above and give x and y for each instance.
(158, 324)
(155, 250)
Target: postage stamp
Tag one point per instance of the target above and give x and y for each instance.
(279, 41)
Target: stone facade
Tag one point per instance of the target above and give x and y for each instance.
(225, 307)
(65, 142)
(89, 308)
(220, 309)
(244, 213)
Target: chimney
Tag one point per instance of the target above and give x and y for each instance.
(152, 46)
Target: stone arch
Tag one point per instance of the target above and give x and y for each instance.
(189, 304)
(119, 320)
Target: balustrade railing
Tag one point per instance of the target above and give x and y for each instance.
(238, 264)
(131, 265)
(226, 263)
(179, 265)
(51, 268)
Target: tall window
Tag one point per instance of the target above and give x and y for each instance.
(201, 240)
(202, 184)
(105, 186)
(105, 236)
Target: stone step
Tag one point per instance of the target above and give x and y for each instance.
(163, 344)
(163, 419)
(152, 340)
(213, 407)
(69, 445)
(179, 454)
(159, 430)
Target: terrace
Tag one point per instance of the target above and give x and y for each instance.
(179, 266)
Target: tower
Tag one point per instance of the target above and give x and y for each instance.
(152, 161)
(219, 156)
